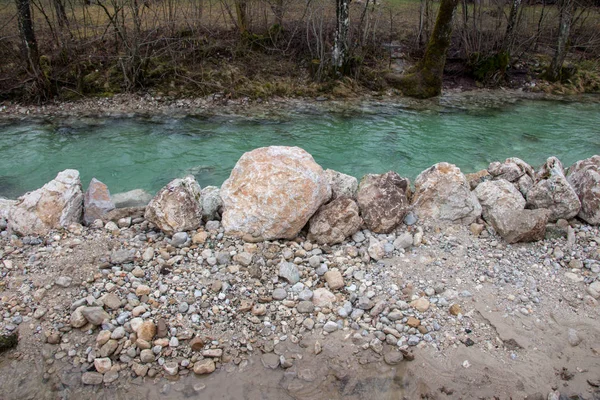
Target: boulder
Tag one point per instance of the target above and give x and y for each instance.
(478, 177)
(497, 197)
(335, 221)
(133, 198)
(176, 207)
(5, 207)
(210, 199)
(553, 192)
(514, 170)
(521, 225)
(96, 202)
(59, 203)
(443, 193)
(383, 201)
(584, 177)
(342, 185)
(272, 193)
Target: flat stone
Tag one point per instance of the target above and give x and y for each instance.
(305, 307)
(330, 327)
(102, 365)
(334, 279)
(289, 272)
(204, 367)
(95, 315)
(421, 304)
(393, 357)
(279, 294)
(91, 378)
(270, 360)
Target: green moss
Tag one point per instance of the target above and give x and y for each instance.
(489, 68)
(8, 342)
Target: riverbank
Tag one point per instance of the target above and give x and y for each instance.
(481, 318)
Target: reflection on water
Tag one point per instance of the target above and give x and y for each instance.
(146, 153)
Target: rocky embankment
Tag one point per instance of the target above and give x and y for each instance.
(285, 257)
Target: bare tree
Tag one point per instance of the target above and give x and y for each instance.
(339, 56)
(554, 73)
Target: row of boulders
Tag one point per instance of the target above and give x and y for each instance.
(274, 192)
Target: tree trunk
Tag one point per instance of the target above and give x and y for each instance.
(241, 12)
(339, 56)
(554, 73)
(61, 14)
(426, 80)
(508, 41)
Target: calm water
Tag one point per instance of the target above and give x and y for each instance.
(134, 153)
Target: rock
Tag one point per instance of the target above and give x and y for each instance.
(77, 319)
(124, 222)
(404, 241)
(270, 360)
(413, 322)
(133, 198)
(108, 348)
(147, 356)
(305, 307)
(146, 331)
(515, 171)
(197, 343)
(213, 353)
(272, 193)
(342, 185)
(323, 298)
(111, 301)
(335, 221)
(455, 309)
(594, 289)
(376, 250)
(64, 281)
(210, 199)
(476, 228)
(498, 196)
(421, 304)
(200, 237)
(584, 177)
(279, 294)
(124, 216)
(334, 279)
(122, 256)
(382, 200)
(59, 203)
(289, 272)
(95, 315)
(96, 202)
(140, 369)
(442, 193)
(552, 191)
(330, 327)
(171, 368)
(180, 239)
(243, 258)
(5, 207)
(176, 207)
(91, 378)
(393, 357)
(478, 177)
(102, 365)
(521, 225)
(573, 337)
(203, 367)
(142, 290)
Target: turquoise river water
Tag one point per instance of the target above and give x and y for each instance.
(130, 153)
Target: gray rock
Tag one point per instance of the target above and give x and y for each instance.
(279, 294)
(376, 250)
(404, 241)
(393, 357)
(521, 225)
(335, 221)
(359, 237)
(133, 198)
(122, 256)
(413, 340)
(382, 200)
(223, 257)
(305, 295)
(270, 360)
(289, 272)
(96, 202)
(330, 327)
(584, 177)
(497, 197)
(95, 315)
(573, 337)
(92, 378)
(305, 307)
(180, 239)
(342, 185)
(64, 281)
(210, 198)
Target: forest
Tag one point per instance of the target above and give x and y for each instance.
(67, 49)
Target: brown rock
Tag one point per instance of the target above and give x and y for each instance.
(584, 177)
(176, 207)
(455, 309)
(413, 322)
(334, 279)
(516, 171)
(342, 185)
(478, 177)
(421, 304)
(200, 237)
(382, 200)
(335, 221)
(204, 367)
(272, 193)
(197, 343)
(96, 202)
(521, 225)
(146, 331)
(498, 196)
(442, 193)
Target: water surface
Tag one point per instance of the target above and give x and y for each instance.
(129, 153)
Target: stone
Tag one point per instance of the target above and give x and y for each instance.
(421, 304)
(271, 193)
(478, 177)
(122, 256)
(200, 237)
(553, 192)
(498, 196)
(404, 241)
(342, 185)
(171, 368)
(111, 301)
(59, 203)
(146, 331)
(335, 221)
(376, 249)
(330, 327)
(382, 200)
(455, 309)
(95, 315)
(176, 207)
(132, 198)
(91, 378)
(108, 348)
(5, 206)
(147, 356)
(111, 376)
(521, 225)
(204, 367)
(124, 222)
(197, 343)
(140, 369)
(77, 319)
(515, 171)
(323, 298)
(270, 360)
(64, 281)
(584, 177)
(279, 294)
(289, 272)
(180, 239)
(243, 258)
(334, 279)
(413, 322)
(102, 365)
(96, 202)
(393, 357)
(212, 204)
(142, 290)
(305, 307)
(442, 193)
(573, 337)
(213, 353)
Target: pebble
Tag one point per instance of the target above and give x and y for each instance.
(204, 367)
(330, 327)
(91, 378)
